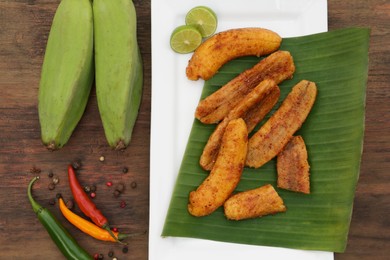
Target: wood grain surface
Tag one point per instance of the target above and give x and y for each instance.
(24, 28)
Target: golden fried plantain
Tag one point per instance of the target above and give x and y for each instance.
(228, 45)
(255, 114)
(277, 67)
(292, 166)
(254, 203)
(226, 173)
(270, 139)
(253, 108)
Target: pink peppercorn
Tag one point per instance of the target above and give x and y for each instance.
(92, 194)
(109, 184)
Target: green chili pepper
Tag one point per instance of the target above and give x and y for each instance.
(64, 241)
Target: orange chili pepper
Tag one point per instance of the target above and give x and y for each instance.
(86, 226)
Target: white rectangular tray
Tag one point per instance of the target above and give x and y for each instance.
(174, 99)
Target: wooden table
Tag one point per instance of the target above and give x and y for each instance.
(25, 25)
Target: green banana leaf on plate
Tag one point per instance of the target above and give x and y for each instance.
(337, 62)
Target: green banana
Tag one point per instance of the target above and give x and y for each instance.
(67, 72)
(118, 69)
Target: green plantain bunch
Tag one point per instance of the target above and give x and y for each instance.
(86, 42)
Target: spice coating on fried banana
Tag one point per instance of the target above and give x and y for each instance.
(228, 45)
(278, 67)
(271, 138)
(293, 167)
(253, 108)
(254, 203)
(261, 109)
(226, 173)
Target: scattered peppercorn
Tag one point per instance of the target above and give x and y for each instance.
(101, 158)
(133, 185)
(125, 169)
(76, 164)
(120, 187)
(123, 204)
(50, 174)
(93, 188)
(70, 204)
(125, 249)
(92, 194)
(51, 186)
(87, 189)
(115, 229)
(56, 180)
(52, 202)
(101, 256)
(115, 258)
(96, 256)
(110, 253)
(117, 193)
(109, 184)
(35, 170)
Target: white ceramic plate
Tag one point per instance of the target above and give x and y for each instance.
(174, 99)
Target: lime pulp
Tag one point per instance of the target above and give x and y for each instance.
(204, 19)
(185, 39)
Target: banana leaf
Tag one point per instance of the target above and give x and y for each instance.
(337, 62)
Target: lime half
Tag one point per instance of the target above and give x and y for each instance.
(185, 39)
(204, 19)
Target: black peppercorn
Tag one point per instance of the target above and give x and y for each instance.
(76, 164)
(70, 204)
(52, 202)
(117, 193)
(120, 187)
(51, 186)
(93, 188)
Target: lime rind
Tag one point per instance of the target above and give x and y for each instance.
(185, 39)
(204, 19)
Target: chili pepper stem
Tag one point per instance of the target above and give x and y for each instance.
(107, 227)
(36, 207)
(122, 236)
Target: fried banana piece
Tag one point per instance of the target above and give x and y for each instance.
(227, 45)
(261, 109)
(226, 173)
(293, 167)
(271, 138)
(278, 66)
(253, 108)
(254, 203)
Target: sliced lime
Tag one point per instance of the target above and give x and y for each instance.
(204, 19)
(185, 39)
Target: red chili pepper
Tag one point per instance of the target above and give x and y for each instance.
(85, 203)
